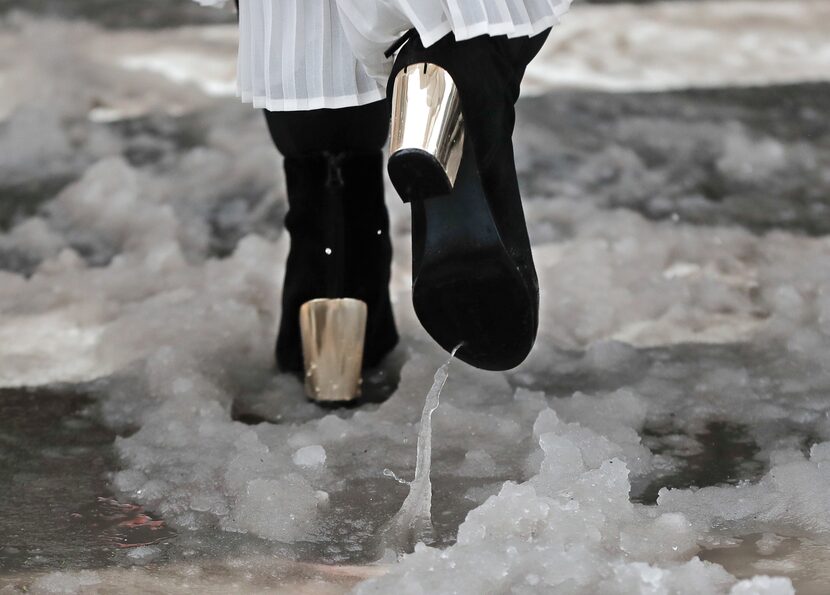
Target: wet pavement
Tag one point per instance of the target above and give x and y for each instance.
(667, 155)
(56, 507)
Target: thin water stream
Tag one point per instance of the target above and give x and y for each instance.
(413, 522)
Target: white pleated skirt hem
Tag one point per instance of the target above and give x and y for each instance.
(493, 30)
(309, 103)
(464, 31)
(299, 55)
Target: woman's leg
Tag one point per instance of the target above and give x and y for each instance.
(337, 219)
(361, 128)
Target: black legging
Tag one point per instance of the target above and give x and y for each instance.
(361, 128)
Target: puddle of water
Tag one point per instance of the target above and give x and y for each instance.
(726, 456)
(804, 561)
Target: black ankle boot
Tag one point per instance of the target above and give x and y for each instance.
(474, 280)
(340, 247)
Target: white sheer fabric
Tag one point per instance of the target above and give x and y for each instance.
(310, 54)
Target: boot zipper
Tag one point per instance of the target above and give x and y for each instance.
(335, 236)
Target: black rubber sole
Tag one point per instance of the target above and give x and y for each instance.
(467, 288)
(417, 175)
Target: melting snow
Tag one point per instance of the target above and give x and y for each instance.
(152, 271)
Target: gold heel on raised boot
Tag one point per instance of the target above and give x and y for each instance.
(333, 331)
(427, 137)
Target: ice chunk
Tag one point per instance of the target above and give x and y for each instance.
(143, 554)
(66, 582)
(477, 463)
(768, 543)
(310, 456)
(792, 496)
(283, 509)
(763, 585)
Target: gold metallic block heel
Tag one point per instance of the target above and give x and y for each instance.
(427, 138)
(333, 331)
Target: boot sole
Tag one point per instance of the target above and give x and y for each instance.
(468, 288)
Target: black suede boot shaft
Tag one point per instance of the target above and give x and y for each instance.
(474, 282)
(488, 72)
(340, 247)
(334, 180)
